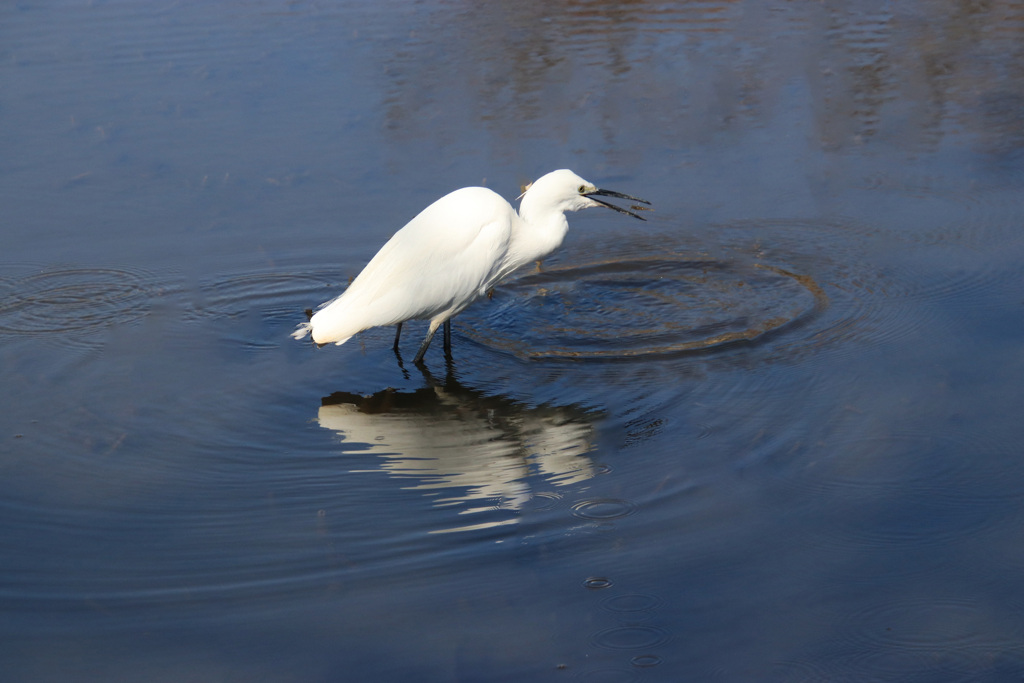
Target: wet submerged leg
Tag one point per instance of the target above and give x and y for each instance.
(426, 342)
(398, 335)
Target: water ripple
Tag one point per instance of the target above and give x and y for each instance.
(603, 509)
(644, 306)
(769, 289)
(607, 676)
(631, 637)
(911, 490)
(914, 636)
(932, 463)
(645, 661)
(272, 293)
(73, 301)
(633, 602)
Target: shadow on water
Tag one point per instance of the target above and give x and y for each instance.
(487, 456)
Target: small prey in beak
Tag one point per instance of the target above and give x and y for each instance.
(593, 194)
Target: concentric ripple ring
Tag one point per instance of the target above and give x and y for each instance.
(72, 300)
(644, 306)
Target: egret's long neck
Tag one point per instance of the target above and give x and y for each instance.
(543, 225)
(541, 231)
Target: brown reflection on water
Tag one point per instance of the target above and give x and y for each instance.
(909, 75)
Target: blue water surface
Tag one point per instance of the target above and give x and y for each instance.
(771, 434)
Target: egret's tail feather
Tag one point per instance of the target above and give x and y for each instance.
(305, 329)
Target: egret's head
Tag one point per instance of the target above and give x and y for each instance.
(565, 191)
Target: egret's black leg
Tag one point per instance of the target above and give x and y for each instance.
(426, 343)
(398, 335)
(448, 338)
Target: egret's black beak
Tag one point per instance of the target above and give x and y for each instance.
(608, 193)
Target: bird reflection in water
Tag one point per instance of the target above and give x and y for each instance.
(478, 452)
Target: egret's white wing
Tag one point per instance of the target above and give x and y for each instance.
(437, 264)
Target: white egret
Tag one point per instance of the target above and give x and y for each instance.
(452, 253)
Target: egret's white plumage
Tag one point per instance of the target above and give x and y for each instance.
(452, 253)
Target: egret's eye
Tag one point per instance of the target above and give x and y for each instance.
(583, 188)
